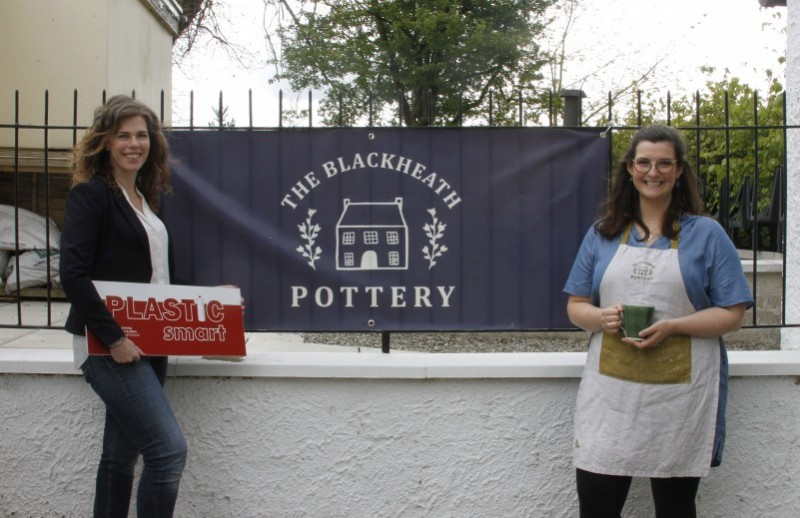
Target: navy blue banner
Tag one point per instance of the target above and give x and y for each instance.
(387, 229)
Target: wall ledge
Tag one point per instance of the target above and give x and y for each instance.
(395, 365)
(763, 266)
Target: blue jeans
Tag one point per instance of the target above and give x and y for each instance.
(139, 420)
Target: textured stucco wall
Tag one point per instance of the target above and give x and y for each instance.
(791, 336)
(295, 447)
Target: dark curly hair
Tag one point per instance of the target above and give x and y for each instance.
(91, 158)
(622, 206)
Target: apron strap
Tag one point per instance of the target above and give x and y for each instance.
(625, 235)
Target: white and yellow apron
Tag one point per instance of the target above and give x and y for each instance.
(647, 413)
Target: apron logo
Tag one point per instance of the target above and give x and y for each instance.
(643, 271)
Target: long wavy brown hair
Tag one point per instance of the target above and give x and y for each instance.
(622, 206)
(91, 158)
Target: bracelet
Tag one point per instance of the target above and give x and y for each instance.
(116, 343)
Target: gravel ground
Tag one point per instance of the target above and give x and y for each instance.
(516, 341)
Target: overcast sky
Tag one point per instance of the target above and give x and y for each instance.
(682, 35)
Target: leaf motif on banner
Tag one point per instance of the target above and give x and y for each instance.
(434, 231)
(309, 232)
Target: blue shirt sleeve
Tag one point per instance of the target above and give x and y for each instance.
(590, 265)
(710, 265)
(579, 281)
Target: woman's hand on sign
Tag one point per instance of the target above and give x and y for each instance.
(127, 352)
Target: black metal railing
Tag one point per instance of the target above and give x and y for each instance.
(753, 213)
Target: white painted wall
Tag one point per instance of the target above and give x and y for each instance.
(371, 435)
(790, 337)
(139, 54)
(56, 46)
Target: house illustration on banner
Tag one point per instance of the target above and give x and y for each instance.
(372, 236)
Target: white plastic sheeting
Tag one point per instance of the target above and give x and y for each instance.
(30, 233)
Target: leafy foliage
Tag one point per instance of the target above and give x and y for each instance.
(732, 130)
(421, 62)
(221, 119)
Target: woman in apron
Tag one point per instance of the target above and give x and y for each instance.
(653, 407)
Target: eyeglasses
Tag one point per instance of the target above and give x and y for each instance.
(663, 165)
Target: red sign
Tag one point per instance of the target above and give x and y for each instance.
(175, 320)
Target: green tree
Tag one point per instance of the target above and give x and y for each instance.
(733, 132)
(722, 124)
(221, 118)
(531, 97)
(421, 61)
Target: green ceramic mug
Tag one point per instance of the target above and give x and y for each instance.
(636, 318)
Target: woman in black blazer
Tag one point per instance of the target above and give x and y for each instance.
(111, 232)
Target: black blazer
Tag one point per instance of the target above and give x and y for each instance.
(101, 239)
